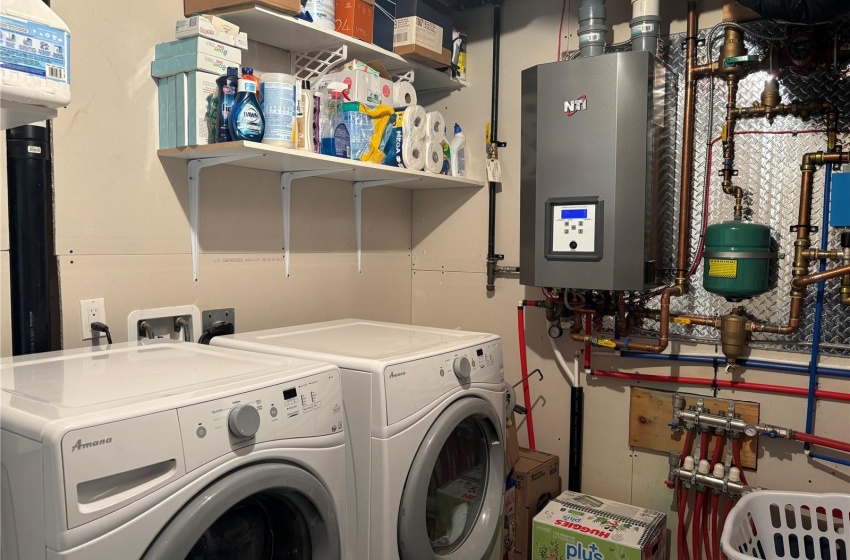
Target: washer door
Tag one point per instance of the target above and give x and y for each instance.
(268, 510)
(452, 503)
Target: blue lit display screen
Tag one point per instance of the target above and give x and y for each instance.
(574, 214)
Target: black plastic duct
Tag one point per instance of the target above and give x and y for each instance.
(799, 11)
(30, 238)
(576, 438)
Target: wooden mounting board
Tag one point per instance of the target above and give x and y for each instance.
(651, 411)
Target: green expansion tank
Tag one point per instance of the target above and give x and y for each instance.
(738, 258)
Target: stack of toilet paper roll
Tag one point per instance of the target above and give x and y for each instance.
(404, 95)
(436, 133)
(414, 136)
(422, 136)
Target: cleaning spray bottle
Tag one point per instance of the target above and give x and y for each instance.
(457, 146)
(227, 86)
(335, 138)
(246, 117)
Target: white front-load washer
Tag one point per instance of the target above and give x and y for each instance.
(425, 409)
(171, 450)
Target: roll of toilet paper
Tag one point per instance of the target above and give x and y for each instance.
(413, 153)
(404, 95)
(415, 123)
(433, 157)
(436, 125)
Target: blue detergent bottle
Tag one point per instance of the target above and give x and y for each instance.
(227, 86)
(246, 117)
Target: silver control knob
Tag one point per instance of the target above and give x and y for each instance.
(462, 367)
(243, 421)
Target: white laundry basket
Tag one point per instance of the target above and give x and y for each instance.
(777, 525)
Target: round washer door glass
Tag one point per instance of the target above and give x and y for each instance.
(452, 501)
(264, 511)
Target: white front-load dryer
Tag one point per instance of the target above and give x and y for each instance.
(425, 409)
(169, 451)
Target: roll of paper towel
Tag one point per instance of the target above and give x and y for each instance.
(404, 95)
(433, 157)
(413, 153)
(436, 124)
(415, 123)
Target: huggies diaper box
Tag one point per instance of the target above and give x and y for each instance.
(576, 526)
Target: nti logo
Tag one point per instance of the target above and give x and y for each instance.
(573, 107)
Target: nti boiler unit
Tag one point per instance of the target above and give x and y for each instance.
(597, 133)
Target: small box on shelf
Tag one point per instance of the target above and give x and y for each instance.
(199, 26)
(384, 26)
(438, 12)
(195, 45)
(190, 7)
(355, 18)
(421, 41)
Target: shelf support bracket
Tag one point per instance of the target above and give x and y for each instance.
(195, 166)
(359, 187)
(286, 187)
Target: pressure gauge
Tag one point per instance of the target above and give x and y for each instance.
(555, 331)
(750, 430)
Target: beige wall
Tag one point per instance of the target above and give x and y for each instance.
(449, 250)
(5, 303)
(122, 213)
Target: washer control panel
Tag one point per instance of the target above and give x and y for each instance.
(305, 407)
(573, 228)
(411, 386)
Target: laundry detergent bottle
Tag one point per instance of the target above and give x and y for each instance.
(246, 118)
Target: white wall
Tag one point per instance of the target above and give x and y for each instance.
(122, 213)
(449, 251)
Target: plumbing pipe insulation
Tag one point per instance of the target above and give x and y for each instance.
(743, 362)
(529, 419)
(576, 438)
(722, 383)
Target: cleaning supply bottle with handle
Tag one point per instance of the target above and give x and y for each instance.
(246, 117)
(332, 119)
(457, 147)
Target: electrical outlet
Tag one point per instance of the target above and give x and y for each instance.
(91, 310)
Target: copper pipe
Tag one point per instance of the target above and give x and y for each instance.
(793, 320)
(804, 281)
(681, 319)
(817, 254)
(801, 109)
(729, 147)
(687, 176)
(663, 335)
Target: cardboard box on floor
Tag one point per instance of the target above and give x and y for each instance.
(537, 482)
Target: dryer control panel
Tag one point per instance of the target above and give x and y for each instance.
(305, 407)
(411, 386)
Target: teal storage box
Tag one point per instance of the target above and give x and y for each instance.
(839, 214)
(196, 45)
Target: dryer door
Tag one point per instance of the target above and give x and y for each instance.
(268, 510)
(452, 503)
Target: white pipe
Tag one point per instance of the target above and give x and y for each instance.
(571, 377)
(641, 8)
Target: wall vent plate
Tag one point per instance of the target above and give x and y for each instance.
(209, 317)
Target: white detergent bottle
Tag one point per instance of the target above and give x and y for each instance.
(457, 147)
(35, 49)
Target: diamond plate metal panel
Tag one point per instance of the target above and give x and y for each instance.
(769, 171)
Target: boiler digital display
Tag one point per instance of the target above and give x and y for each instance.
(574, 214)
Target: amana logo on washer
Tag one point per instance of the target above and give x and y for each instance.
(393, 375)
(85, 445)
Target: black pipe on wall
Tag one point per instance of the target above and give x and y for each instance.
(576, 438)
(492, 257)
(30, 238)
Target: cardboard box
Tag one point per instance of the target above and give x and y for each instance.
(425, 56)
(167, 126)
(384, 26)
(438, 12)
(197, 26)
(413, 31)
(509, 529)
(537, 482)
(190, 7)
(197, 94)
(364, 87)
(197, 45)
(355, 18)
(577, 526)
(190, 62)
(512, 443)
